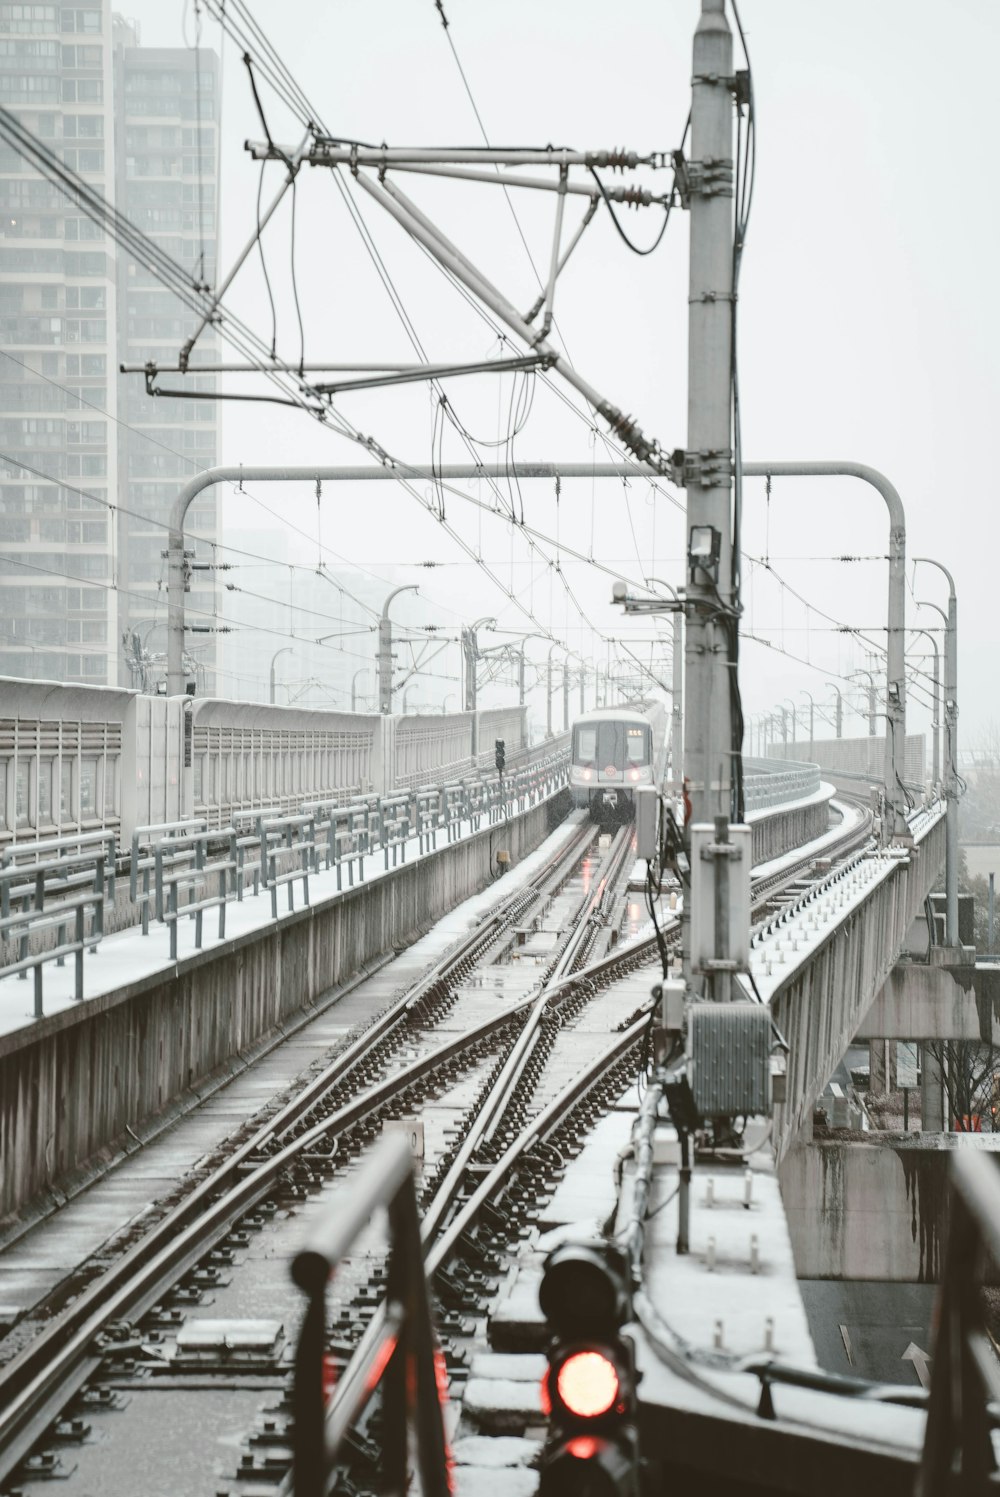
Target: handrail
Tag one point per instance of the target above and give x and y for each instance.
(402, 1356)
(965, 1376)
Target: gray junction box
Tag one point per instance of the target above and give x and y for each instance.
(730, 1050)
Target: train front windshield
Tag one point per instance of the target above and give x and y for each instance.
(610, 743)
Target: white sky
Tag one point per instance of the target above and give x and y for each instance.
(868, 323)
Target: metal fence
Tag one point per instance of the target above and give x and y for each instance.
(53, 905)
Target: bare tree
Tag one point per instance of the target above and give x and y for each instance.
(970, 1074)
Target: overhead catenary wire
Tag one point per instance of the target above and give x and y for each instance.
(279, 77)
(200, 613)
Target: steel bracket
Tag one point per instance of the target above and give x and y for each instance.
(707, 468)
(730, 850)
(711, 177)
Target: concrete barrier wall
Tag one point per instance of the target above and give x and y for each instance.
(776, 832)
(872, 1210)
(72, 1084)
(821, 1003)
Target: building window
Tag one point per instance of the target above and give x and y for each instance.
(87, 21)
(28, 19)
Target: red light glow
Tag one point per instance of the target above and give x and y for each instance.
(583, 1447)
(587, 1384)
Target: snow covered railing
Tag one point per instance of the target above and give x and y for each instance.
(764, 786)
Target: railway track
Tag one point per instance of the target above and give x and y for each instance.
(511, 1069)
(399, 1051)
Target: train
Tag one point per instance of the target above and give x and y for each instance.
(613, 752)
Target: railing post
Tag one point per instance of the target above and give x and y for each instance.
(416, 1355)
(308, 1404)
(99, 896)
(78, 953)
(172, 900)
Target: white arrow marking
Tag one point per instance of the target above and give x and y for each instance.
(921, 1363)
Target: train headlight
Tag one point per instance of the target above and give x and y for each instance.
(588, 774)
(635, 774)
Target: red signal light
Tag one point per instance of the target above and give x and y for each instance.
(587, 1384)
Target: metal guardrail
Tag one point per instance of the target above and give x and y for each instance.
(401, 1357)
(965, 1375)
(764, 787)
(42, 915)
(51, 897)
(184, 868)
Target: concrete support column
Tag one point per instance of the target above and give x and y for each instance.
(882, 1073)
(932, 1119)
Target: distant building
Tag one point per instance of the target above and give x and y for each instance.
(127, 119)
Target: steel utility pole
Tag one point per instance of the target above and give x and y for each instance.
(548, 694)
(285, 650)
(936, 714)
(839, 719)
(470, 659)
(385, 649)
(812, 717)
(950, 752)
(708, 464)
(872, 700)
(795, 719)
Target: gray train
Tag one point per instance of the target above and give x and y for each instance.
(613, 752)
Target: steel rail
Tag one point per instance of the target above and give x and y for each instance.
(43, 1379)
(355, 1385)
(356, 1382)
(38, 1381)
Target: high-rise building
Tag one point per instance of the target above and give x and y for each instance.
(76, 572)
(167, 151)
(57, 350)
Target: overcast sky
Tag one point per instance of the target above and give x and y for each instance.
(868, 321)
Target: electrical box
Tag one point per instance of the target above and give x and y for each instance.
(720, 881)
(672, 996)
(730, 1048)
(647, 822)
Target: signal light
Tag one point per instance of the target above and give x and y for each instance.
(587, 1384)
(499, 754)
(589, 1389)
